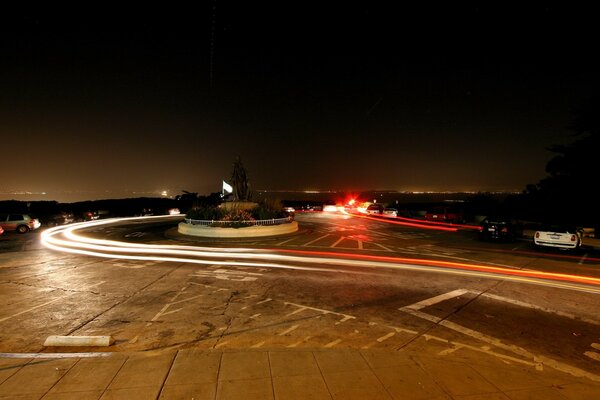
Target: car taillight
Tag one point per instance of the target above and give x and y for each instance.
(537, 235)
(573, 238)
(504, 230)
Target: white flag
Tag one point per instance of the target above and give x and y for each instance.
(227, 187)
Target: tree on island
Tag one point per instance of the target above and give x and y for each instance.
(239, 182)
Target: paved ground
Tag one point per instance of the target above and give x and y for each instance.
(544, 341)
(290, 374)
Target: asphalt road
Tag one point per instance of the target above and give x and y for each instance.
(155, 305)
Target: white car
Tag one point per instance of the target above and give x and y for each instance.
(390, 212)
(559, 237)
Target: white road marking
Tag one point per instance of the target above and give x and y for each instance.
(255, 316)
(583, 259)
(257, 345)
(383, 247)
(331, 344)
(596, 346)
(533, 306)
(223, 274)
(300, 342)
(538, 359)
(260, 302)
(345, 317)
(593, 355)
(221, 344)
(386, 337)
(338, 241)
(285, 241)
(316, 240)
(49, 302)
(437, 299)
(55, 355)
(290, 329)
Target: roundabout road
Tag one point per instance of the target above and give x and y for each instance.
(340, 282)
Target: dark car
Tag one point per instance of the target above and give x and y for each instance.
(499, 228)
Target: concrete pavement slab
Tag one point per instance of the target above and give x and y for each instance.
(10, 366)
(244, 365)
(37, 377)
(488, 396)
(546, 393)
(86, 395)
(22, 397)
(409, 382)
(456, 378)
(137, 393)
(355, 385)
(341, 361)
(508, 378)
(577, 391)
(90, 374)
(300, 387)
(196, 391)
(194, 367)
(141, 370)
(250, 389)
(293, 363)
(386, 359)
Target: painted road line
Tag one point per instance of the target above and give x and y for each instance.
(596, 346)
(55, 355)
(437, 299)
(583, 259)
(257, 345)
(316, 240)
(49, 302)
(386, 337)
(338, 241)
(331, 344)
(255, 316)
(290, 329)
(255, 304)
(540, 359)
(383, 247)
(593, 355)
(285, 241)
(345, 317)
(299, 343)
(535, 307)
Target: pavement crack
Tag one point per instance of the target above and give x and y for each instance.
(442, 319)
(229, 319)
(123, 300)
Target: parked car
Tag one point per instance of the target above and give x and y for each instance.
(21, 223)
(444, 214)
(1, 230)
(562, 237)
(376, 209)
(499, 228)
(59, 219)
(390, 212)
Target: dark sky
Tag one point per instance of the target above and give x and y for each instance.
(310, 97)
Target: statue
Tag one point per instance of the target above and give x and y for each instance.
(239, 182)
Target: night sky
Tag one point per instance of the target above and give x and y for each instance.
(311, 97)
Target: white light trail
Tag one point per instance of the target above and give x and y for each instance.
(65, 239)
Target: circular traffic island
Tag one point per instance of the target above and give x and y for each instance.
(237, 221)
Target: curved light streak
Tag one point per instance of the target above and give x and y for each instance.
(391, 221)
(280, 258)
